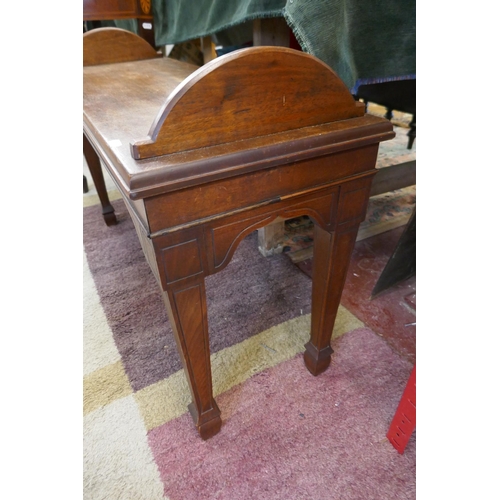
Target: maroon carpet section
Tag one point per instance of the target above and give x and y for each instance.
(289, 435)
(251, 295)
(388, 314)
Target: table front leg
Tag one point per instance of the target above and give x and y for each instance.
(332, 254)
(187, 310)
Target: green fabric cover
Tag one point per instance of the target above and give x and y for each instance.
(363, 41)
(127, 24)
(180, 20)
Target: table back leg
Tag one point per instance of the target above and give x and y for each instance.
(331, 258)
(332, 253)
(94, 164)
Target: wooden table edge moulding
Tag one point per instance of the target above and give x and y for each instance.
(204, 156)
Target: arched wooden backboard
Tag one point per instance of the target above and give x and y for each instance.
(113, 45)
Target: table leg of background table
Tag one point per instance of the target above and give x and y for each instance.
(270, 238)
(95, 168)
(187, 310)
(332, 254)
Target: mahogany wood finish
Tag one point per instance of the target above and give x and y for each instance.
(258, 134)
(111, 10)
(272, 31)
(228, 108)
(99, 10)
(113, 45)
(104, 46)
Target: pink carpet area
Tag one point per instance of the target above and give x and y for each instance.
(289, 435)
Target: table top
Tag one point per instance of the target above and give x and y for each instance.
(120, 104)
(161, 124)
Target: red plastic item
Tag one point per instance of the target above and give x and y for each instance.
(404, 421)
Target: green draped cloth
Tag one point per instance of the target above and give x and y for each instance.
(363, 41)
(181, 20)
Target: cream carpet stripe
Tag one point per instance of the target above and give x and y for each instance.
(90, 199)
(99, 348)
(118, 463)
(168, 398)
(103, 386)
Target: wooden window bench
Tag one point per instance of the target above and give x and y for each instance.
(204, 156)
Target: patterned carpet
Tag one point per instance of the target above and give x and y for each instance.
(281, 426)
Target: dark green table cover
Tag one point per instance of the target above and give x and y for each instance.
(363, 41)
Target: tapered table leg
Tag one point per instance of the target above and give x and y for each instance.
(186, 306)
(332, 253)
(95, 168)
